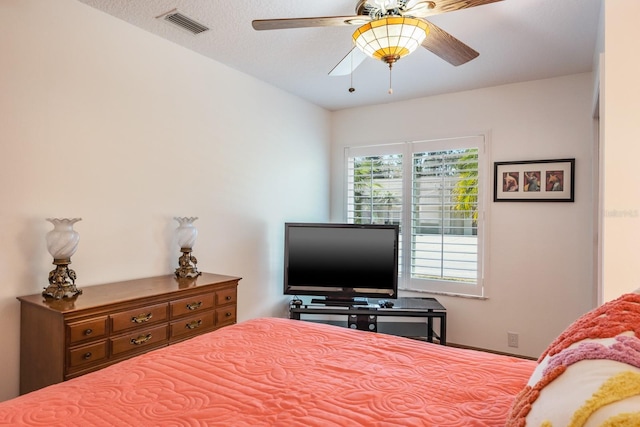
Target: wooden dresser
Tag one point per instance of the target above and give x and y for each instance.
(63, 339)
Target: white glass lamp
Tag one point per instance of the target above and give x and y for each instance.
(186, 235)
(62, 243)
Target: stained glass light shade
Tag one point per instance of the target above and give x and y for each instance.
(389, 39)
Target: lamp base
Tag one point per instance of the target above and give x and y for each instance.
(62, 281)
(187, 264)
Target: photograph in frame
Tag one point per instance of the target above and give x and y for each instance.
(534, 181)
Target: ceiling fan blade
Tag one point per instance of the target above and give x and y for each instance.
(447, 47)
(349, 63)
(327, 21)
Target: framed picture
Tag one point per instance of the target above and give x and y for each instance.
(534, 181)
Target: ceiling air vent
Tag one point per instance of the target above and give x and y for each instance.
(181, 20)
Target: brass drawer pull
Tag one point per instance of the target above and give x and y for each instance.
(141, 318)
(194, 305)
(88, 331)
(228, 314)
(228, 298)
(87, 355)
(141, 339)
(194, 324)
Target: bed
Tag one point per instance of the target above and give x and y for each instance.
(281, 372)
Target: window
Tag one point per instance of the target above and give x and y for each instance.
(434, 190)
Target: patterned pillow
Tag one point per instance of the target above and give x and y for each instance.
(590, 375)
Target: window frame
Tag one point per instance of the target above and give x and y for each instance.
(407, 149)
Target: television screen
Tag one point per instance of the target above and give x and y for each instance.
(341, 261)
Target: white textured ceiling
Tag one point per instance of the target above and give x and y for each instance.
(518, 40)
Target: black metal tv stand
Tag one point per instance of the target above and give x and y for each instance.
(365, 317)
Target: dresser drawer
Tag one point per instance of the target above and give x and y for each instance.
(226, 315)
(88, 354)
(191, 305)
(87, 330)
(138, 317)
(193, 325)
(140, 340)
(226, 296)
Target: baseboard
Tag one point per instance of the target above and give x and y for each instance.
(520, 356)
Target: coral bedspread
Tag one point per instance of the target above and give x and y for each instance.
(280, 372)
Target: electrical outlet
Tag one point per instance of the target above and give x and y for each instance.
(512, 339)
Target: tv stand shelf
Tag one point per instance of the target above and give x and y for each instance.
(365, 317)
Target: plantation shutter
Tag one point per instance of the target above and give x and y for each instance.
(435, 189)
(375, 188)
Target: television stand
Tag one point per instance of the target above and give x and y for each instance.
(366, 317)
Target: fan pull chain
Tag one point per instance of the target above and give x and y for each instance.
(390, 88)
(351, 88)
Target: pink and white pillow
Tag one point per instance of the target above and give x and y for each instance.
(590, 375)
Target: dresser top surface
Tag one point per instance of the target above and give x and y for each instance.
(119, 292)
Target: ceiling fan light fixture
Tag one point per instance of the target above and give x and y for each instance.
(391, 38)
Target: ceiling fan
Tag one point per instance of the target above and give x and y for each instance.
(376, 17)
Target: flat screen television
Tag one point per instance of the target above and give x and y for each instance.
(344, 263)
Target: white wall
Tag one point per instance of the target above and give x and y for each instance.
(104, 121)
(539, 256)
(620, 129)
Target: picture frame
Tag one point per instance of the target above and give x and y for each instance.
(534, 181)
